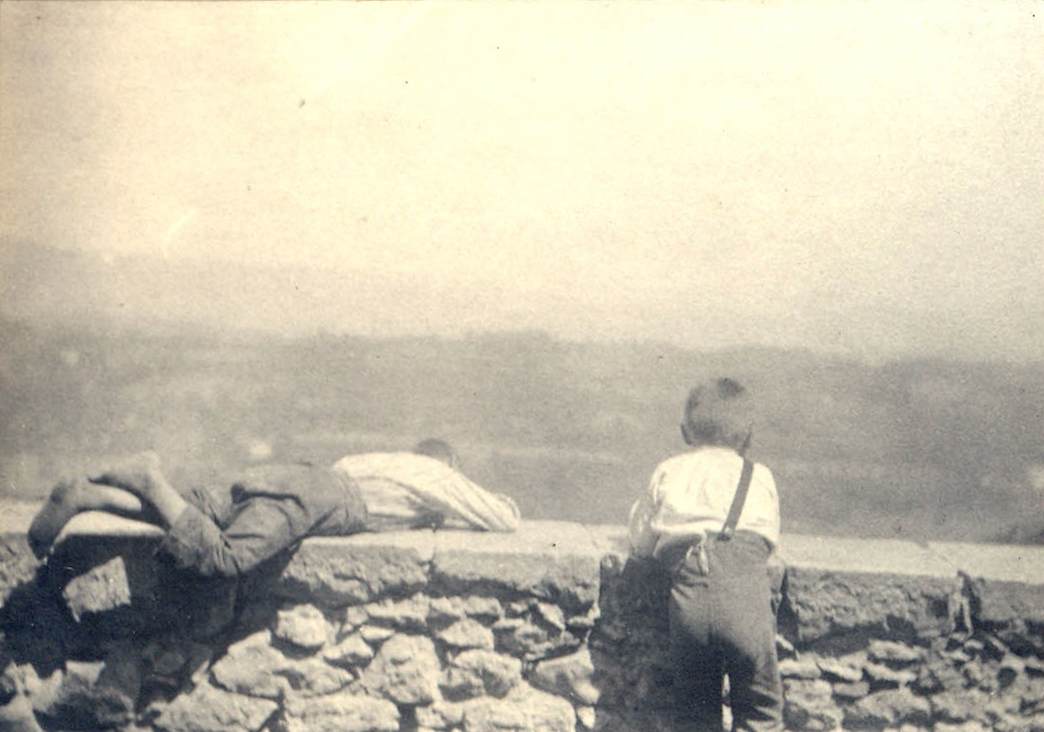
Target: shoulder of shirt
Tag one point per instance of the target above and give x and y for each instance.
(390, 461)
(699, 455)
(370, 458)
(709, 456)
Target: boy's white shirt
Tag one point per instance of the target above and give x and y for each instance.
(400, 488)
(690, 494)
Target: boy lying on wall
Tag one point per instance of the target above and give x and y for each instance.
(228, 531)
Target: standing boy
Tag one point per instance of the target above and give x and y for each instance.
(716, 548)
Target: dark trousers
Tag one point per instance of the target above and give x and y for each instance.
(721, 622)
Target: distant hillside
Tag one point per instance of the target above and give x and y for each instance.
(920, 450)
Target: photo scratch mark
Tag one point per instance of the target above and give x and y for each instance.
(176, 227)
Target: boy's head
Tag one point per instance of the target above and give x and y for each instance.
(438, 449)
(718, 413)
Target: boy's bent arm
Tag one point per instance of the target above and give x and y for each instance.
(467, 503)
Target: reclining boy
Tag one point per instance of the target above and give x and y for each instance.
(273, 507)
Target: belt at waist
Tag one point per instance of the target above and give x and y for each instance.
(679, 553)
(740, 535)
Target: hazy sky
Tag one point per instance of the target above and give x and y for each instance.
(863, 177)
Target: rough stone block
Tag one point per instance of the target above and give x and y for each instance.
(302, 626)
(314, 677)
(476, 672)
(881, 675)
(809, 705)
(532, 640)
(888, 709)
(471, 606)
(1001, 602)
(550, 614)
(827, 603)
(350, 652)
(95, 694)
(405, 670)
(441, 715)
(793, 668)
(207, 709)
(587, 717)
(634, 675)
(376, 634)
(896, 655)
(17, 564)
(838, 670)
(16, 714)
(42, 692)
(960, 727)
(467, 633)
(569, 676)
(357, 569)
(958, 705)
(850, 690)
(117, 586)
(525, 709)
(938, 673)
(341, 712)
(408, 616)
(251, 667)
(495, 715)
(552, 560)
(100, 589)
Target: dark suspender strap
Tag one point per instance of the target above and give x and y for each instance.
(737, 501)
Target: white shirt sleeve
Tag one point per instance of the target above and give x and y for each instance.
(643, 538)
(403, 490)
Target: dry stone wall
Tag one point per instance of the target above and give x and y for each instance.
(550, 629)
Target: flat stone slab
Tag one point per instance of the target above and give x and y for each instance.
(611, 540)
(555, 559)
(356, 569)
(873, 556)
(552, 559)
(1000, 562)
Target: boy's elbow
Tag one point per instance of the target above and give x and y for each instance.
(506, 524)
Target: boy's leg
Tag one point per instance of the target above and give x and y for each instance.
(70, 497)
(141, 475)
(749, 638)
(272, 508)
(698, 662)
(697, 688)
(756, 691)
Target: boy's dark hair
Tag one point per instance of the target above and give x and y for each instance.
(718, 413)
(438, 449)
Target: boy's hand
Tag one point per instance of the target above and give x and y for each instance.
(138, 474)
